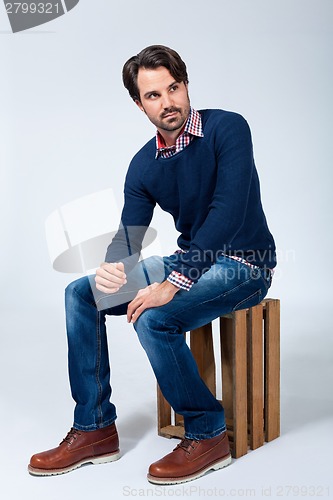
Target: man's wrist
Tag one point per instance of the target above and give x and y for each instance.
(180, 281)
(170, 286)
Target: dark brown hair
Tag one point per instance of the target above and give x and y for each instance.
(153, 57)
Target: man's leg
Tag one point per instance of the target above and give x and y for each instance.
(88, 359)
(93, 437)
(227, 286)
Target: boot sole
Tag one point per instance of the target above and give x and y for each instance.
(103, 459)
(177, 480)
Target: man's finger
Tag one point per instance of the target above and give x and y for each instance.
(111, 270)
(130, 310)
(133, 306)
(108, 279)
(104, 289)
(120, 266)
(138, 312)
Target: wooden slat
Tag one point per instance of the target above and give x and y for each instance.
(255, 376)
(179, 420)
(163, 411)
(272, 370)
(234, 377)
(226, 342)
(240, 384)
(201, 342)
(172, 431)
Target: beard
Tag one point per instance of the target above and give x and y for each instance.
(175, 122)
(171, 123)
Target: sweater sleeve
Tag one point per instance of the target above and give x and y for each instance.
(135, 219)
(227, 210)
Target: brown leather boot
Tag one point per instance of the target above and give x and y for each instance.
(191, 459)
(77, 448)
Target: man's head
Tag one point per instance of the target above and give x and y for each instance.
(156, 79)
(153, 57)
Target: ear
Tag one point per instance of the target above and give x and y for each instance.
(138, 103)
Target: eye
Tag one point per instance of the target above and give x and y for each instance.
(153, 95)
(174, 88)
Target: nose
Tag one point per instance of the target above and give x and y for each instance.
(166, 101)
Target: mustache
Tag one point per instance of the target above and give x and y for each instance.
(170, 110)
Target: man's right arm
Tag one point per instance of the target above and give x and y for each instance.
(123, 252)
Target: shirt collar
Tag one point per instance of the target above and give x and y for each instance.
(194, 123)
(193, 126)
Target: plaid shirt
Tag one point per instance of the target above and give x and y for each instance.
(191, 129)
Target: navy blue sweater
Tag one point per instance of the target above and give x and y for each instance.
(211, 189)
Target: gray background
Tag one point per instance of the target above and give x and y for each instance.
(68, 129)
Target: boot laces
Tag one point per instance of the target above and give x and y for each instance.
(71, 436)
(187, 444)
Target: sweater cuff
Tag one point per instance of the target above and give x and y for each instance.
(180, 281)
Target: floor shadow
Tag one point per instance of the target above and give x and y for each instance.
(132, 429)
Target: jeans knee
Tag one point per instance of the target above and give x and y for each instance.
(79, 288)
(70, 292)
(147, 325)
(154, 327)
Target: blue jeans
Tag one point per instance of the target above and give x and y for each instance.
(228, 285)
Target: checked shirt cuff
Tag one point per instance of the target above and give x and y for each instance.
(180, 280)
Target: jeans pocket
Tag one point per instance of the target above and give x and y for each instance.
(253, 300)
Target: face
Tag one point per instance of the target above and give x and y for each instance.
(165, 101)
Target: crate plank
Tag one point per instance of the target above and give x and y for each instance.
(272, 370)
(255, 376)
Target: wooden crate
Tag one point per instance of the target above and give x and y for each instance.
(250, 365)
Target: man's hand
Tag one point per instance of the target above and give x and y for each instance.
(110, 277)
(154, 295)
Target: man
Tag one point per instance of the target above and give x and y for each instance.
(200, 169)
